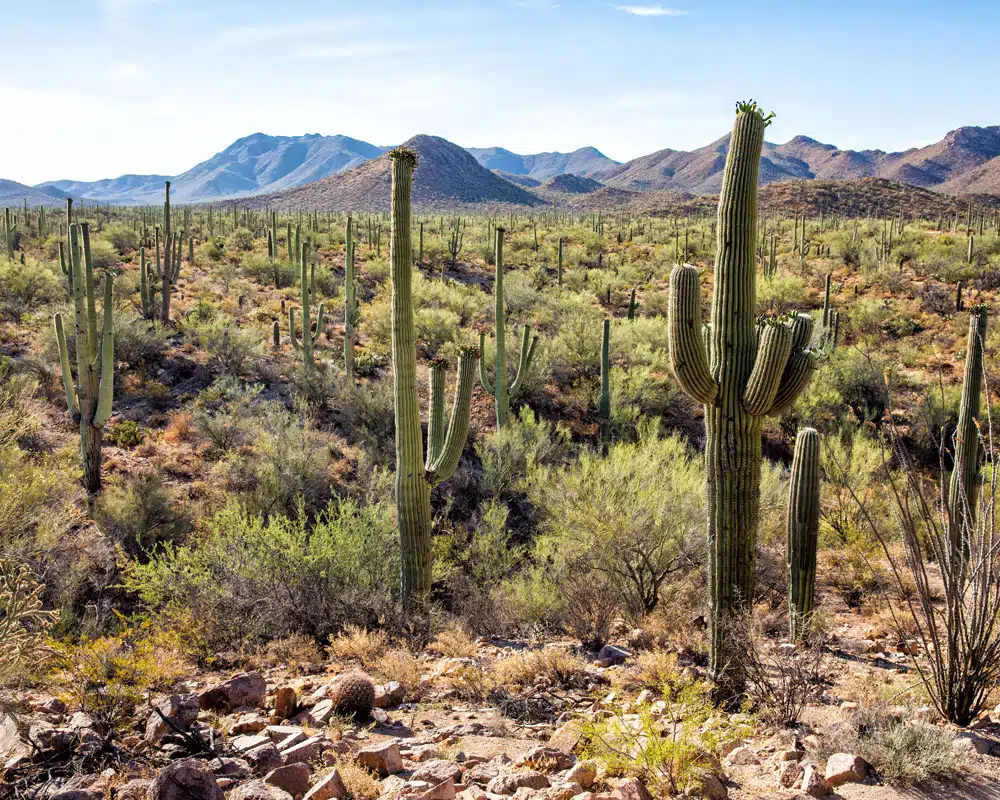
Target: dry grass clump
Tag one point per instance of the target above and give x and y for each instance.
(453, 642)
(468, 682)
(551, 665)
(358, 644)
(654, 668)
(296, 650)
(400, 665)
(359, 782)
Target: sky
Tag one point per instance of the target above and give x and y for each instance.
(93, 89)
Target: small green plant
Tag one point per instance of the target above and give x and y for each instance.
(126, 434)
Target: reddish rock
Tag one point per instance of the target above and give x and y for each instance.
(245, 689)
(188, 779)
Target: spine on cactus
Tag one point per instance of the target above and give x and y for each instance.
(963, 488)
(803, 531)
(498, 386)
(604, 409)
(750, 370)
(350, 301)
(414, 474)
(89, 401)
(309, 336)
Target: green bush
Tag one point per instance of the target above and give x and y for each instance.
(126, 434)
(103, 254)
(231, 349)
(139, 515)
(26, 287)
(122, 237)
(508, 454)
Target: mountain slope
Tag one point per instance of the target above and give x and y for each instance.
(585, 162)
(13, 194)
(446, 177)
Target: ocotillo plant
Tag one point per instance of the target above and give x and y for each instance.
(89, 401)
(306, 290)
(750, 370)
(350, 301)
(498, 386)
(803, 532)
(171, 268)
(963, 487)
(604, 409)
(415, 475)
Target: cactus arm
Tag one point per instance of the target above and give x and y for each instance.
(435, 417)
(458, 425)
(88, 277)
(484, 379)
(291, 331)
(524, 360)
(319, 322)
(79, 304)
(604, 409)
(67, 373)
(105, 394)
(773, 350)
(803, 526)
(802, 365)
(687, 350)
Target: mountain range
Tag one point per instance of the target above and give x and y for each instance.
(333, 168)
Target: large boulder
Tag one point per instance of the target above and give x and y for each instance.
(437, 772)
(179, 709)
(330, 787)
(244, 690)
(844, 768)
(510, 782)
(293, 778)
(258, 790)
(188, 779)
(384, 758)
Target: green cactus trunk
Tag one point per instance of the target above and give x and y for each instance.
(414, 475)
(604, 410)
(803, 532)
(559, 268)
(963, 490)
(350, 301)
(751, 370)
(307, 290)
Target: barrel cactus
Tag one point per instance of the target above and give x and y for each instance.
(353, 695)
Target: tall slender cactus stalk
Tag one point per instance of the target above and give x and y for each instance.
(802, 520)
(604, 410)
(350, 301)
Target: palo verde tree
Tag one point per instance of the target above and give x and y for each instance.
(752, 368)
(415, 473)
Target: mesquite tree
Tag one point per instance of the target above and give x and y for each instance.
(415, 474)
(752, 368)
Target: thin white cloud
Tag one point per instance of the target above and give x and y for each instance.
(353, 50)
(247, 35)
(128, 72)
(651, 11)
(118, 14)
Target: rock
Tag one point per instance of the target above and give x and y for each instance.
(235, 768)
(567, 737)
(848, 707)
(379, 716)
(263, 759)
(75, 794)
(291, 740)
(10, 739)
(583, 773)
(187, 779)
(180, 709)
(512, 781)
(789, 774)
(421, 790)
(710, 786)
(258, 790)
(547, 759)
(844, 768)
(293, 778)
(437, 772)
(330, 787)
(389, 695)
(307, 751)
(279, 733)
(383, 758)
(790, 755)
(631, 789)
(743, 757)
(51, 706)
(422, 752)
(135, 789)
(967, 742)
(248, 724)
(813, 783)
(322, 711)
(245, 689)
(246, 743)
(285, 702)
(613, 655)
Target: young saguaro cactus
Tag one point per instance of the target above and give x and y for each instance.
(415, 474)
(307, 280)
(171, 268)
(498, 386)
(750, 370)
(9, 232)
(148, 276)
(351, 313)
(963, 489)
(89, 400)
(604, 408)
(803, 532)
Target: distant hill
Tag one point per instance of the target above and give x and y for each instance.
(447, 177)
(13, 194)
(585, 161)
(252, 165)
(571, 184)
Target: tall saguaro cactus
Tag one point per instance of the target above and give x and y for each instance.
(498, 386)
(171, 267)
(415, 474)
(604, 409)
(307, 280)
(350, 301)
(752, 368)
(803, 532)
(9, 232)
(89, 400)
(963, 487)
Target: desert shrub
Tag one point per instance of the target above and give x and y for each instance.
(509, 453)
(139, 515)
(453, 642)
(214, 249)
(25, 287)
(226, 412)
(296, 650)
(554, 665)
(780, 294)
(24, 626)
(240, 239)
(367, 415)
(400, 665)
(126, 434)
(231, 349)
(605, 516)
(850, 386)
(138, 342)
(122, 237)
(251, 579)
(355, 643)
(103, 254)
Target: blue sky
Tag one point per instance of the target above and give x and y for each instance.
(96, 88)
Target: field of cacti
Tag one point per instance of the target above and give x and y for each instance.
(756, 445)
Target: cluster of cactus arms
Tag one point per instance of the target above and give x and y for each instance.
(498, 387)
(455, 242)
(752, 369)
(307, 283)
(351, 313)
(9, 232)
(803, 532)
(415, 472)
(89, 400)
(633, 307)
(604, 408)
(148, 275)
(963, 488)
(170, 268)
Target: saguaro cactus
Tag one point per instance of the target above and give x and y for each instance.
(350, 301)
(415, 474)
(963, 488)
(171, 268)
(750, 370)
(498, 386)
(307, 290)
(9, 232)
(148, 275)
(89, 401)
(604, 409)
(803, 532)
